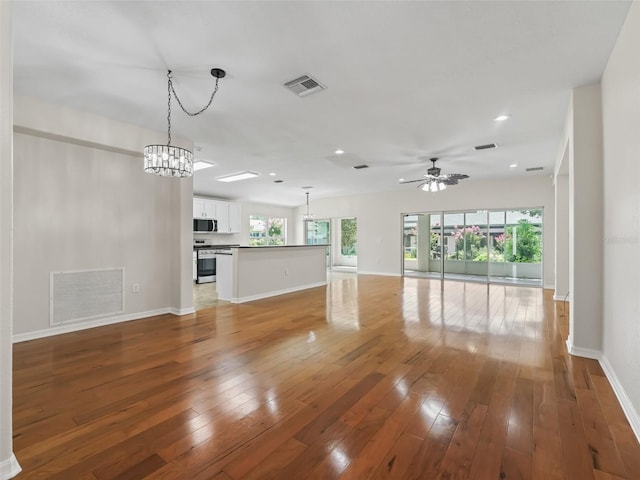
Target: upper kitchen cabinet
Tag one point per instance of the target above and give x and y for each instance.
(234, 218)
(222, 216)
(203, 208)
(227, 214)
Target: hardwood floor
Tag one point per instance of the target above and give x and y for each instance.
(369, 377)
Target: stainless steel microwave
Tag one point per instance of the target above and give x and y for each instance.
(202, 225)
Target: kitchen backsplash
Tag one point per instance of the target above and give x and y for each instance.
(220, 239)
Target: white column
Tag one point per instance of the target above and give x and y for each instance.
(8, 464)
(182, 246)
(423, 239)
(586, 223)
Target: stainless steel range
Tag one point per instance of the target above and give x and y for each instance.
(206, 260)
(206, 265)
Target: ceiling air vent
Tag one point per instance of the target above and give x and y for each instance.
(359, 167)
(535, 169)
(304, 85)
(485, 147)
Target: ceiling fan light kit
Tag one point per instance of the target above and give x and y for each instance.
(169, 160)
(435, 180)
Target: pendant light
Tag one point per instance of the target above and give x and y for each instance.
(307, 216)
(169, 160)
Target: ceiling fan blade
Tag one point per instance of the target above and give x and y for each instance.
(452, 176)
(413, 181)
(449, 181)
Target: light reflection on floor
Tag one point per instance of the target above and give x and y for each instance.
(532, 282)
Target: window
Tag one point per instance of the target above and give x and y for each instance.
(267, 231)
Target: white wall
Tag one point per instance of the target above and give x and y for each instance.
(380, 216)
(621, 125)
(562, 238)
(82, 202)
(8, 464)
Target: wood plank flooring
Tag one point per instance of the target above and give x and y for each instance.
(367, 378)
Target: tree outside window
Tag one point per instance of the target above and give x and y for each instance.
(349, 234)
(522, 243)
(267, 231)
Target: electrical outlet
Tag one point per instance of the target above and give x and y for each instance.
(136, 287)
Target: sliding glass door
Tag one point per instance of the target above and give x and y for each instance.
(497, 246)
(516, 247)
(465, 255)
(318, 232)
(422, 245)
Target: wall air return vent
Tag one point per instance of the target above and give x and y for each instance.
(86, 295)
(485, 147)
(535, 169)
(304, 85)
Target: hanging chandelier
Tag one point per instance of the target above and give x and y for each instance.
(169, 160)
(307, 216)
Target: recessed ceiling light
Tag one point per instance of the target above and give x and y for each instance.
(200, 164)
(272, 174)
(401, 179)
(503, 117)
(237, 176)
(339, 152)
(513, 165)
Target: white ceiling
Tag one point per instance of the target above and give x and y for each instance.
(406, 81)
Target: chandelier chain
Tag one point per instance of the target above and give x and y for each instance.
(169, 88)
(193, 114)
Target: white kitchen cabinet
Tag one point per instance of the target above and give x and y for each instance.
(203, 208)
(226, 213)
(234, 218)
(198, 207)
(222, 216)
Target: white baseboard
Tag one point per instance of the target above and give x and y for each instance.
(583, 352)
(274, 293)
(566, 297)
(75, 327)
(627, 407)
(182, 311)
(549, 287)
(384, 274)
(629, 410)
(9, 468)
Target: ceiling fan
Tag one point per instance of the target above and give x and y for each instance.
(435, 181)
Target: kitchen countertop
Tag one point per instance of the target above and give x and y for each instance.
(214, 247)
(280, 246)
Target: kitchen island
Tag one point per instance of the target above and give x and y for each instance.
(250, 273)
